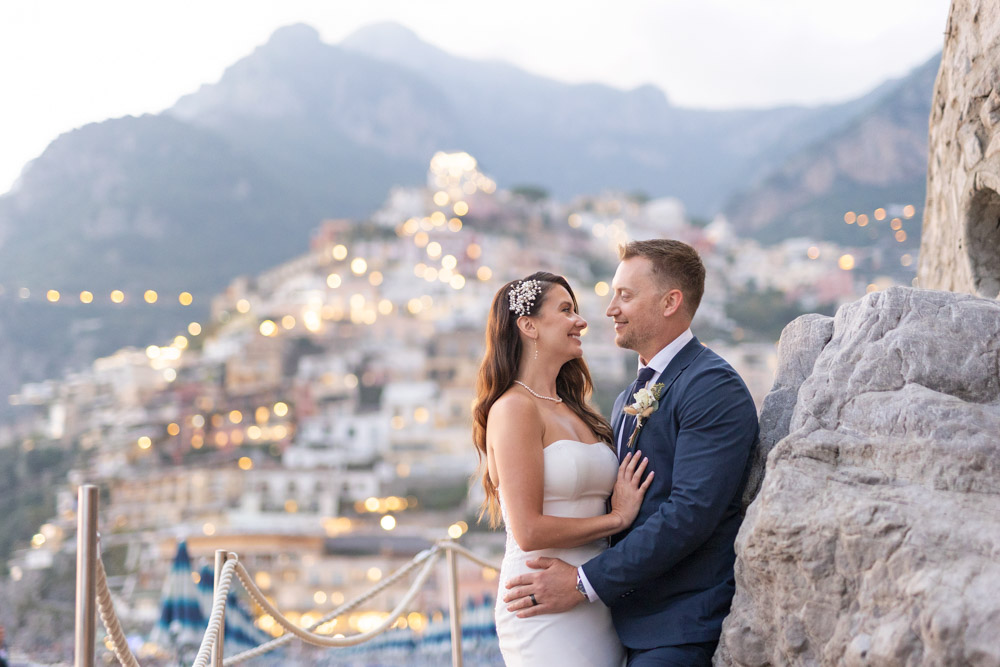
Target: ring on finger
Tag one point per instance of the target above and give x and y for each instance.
(534, 602)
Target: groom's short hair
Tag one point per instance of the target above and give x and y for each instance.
(676, 265)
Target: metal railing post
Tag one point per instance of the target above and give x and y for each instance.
(220, 639)
(86, 576)
(455, 608)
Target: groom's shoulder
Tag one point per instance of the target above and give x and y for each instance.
(709, 360)
(708, 366)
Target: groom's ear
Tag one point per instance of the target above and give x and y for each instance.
(673, 301)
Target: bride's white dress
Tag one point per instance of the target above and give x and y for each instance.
(579, 477)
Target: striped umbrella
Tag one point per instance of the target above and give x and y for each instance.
(429, 648)
(182, 624)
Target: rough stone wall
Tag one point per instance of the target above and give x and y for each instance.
(800, 343)
(875, 539)
(960, 243)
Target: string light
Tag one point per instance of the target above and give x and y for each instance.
(116, 296)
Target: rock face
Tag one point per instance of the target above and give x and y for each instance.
(801, 342)
(960, 244)
(875, 539)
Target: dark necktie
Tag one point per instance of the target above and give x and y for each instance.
(628, 425)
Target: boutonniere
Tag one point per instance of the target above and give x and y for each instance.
(647, 401)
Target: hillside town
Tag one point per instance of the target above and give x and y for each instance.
(317, 422)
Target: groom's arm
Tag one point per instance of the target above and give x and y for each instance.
(717, 430)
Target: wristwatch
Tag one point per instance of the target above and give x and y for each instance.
(580, 587)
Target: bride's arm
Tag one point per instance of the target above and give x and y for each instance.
(514, 438)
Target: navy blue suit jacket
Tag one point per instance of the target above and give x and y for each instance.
(668, 579)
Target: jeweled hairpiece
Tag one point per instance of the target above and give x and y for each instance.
(522, 296)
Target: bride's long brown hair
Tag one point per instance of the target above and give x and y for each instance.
(499, 369)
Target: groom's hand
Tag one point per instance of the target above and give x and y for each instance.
(554, 588)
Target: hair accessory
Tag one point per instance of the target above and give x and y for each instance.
(522, 296)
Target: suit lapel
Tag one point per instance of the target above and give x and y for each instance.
(681, 360)
(617, 415)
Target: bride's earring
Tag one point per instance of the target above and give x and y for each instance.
(536, 349)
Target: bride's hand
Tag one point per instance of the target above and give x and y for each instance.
(630, 488)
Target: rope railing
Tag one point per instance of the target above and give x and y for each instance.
(110, 619)
(430, 555)
(214, 633)
(210, 650)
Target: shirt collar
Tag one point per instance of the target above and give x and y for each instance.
(662, 359)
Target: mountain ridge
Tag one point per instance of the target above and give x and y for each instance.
(235, 176)
(878, 158)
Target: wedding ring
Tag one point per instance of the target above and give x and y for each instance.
(533, 600)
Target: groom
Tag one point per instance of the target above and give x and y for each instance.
(669, 578)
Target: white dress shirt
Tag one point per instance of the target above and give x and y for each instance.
(658, 363)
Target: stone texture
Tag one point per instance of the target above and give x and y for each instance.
(875, 539)
(800, 343)
(960, 245)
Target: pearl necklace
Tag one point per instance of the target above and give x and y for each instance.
(537, 395)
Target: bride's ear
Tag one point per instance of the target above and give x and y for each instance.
(527, 326)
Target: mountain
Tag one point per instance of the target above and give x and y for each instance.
(235, 176)
(879, 158)
(336, 129)
(145, 202)
(574, 139)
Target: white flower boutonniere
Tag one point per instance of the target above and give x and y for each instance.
(647, 401)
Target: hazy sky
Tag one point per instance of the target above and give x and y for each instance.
(65, 63)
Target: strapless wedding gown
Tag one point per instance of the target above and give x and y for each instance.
(578, 479)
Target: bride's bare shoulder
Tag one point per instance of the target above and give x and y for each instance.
(513, 406)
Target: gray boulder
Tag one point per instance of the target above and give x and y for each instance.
(800, 343)
(875, 539)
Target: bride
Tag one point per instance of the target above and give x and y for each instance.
(547, 466)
